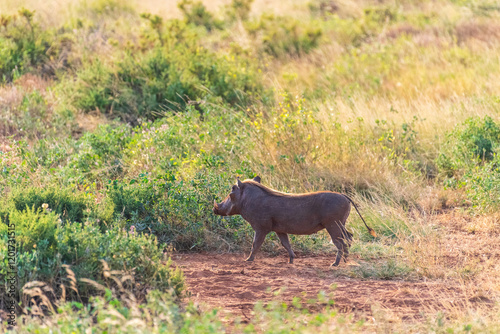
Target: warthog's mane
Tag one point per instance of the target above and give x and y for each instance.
(268, 190)
(277, 193)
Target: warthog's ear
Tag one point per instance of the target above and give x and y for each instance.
(257, 179)
(240, 184)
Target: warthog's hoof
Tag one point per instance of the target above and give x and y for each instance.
(249, 260)
(334, 265)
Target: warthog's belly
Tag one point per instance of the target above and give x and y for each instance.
(305, 228)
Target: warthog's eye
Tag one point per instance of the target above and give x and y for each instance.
(235, 187)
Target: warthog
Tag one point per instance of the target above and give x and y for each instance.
(268, 210)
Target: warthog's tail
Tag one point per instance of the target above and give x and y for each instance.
(372, 232)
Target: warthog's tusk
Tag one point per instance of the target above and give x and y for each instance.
(215, 205)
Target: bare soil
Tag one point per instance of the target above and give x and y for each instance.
(468, 250)
(228, 282)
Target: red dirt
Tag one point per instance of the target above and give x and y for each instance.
(228, 282)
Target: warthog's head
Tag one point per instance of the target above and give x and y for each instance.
(231, 205)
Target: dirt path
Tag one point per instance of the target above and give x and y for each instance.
(228, 282)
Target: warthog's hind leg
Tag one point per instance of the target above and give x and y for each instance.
(286, 243)
(258, 239)
(338, 241)
(341, 246)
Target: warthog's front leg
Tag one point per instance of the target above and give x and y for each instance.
(286, 243)
(258, 239)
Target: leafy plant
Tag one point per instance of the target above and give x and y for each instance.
(99, 153)
(470, 161)
(45, 245)
(283, 36)
(70, 206)
(25, 46)
(196, 13)
(239, 9)
(166, 79)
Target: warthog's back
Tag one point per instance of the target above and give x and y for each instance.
(292, 213)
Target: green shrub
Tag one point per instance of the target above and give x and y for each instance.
(482, 185)
(44, 244)
(99, 153)
(196, 13)
(83, 247)
(35, 230)
(137, 201)
(239, 10)
(162, 79)
(469, 161)
(178, 212)
(19, 44)
(68, 204)
(93, 89)
(281, 36)
(470, 144)
(25, 46)
(36, 244)
(203, 135)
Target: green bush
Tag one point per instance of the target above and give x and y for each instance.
(25, 46)
(36, 245)
(178, 212)
(163, 79)
(284, 36)
(137, 201)
(203, 135)
(83, 247)
(482, 185)
(470, 144)
(197, 14)
(68, 204)
(45, 244)
(93, 88)
(469, 161)
(238, 10)
(20, 47)
(99, 153)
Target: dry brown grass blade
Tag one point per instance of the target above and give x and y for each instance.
(136, 323)
(34, 284)
(37, 296)
(128, 278)
(105, 266)
(93, 283)
(116, 314)
(72, 277)
(63, 294)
